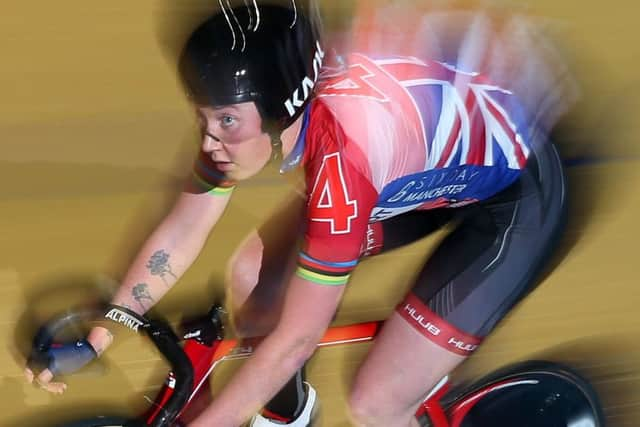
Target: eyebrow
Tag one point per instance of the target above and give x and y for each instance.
(215, 108)
(221, 107)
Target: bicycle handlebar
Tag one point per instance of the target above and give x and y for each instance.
(160, 333)
(168, 345)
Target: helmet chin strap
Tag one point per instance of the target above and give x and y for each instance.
(276, 147)
(274, 131)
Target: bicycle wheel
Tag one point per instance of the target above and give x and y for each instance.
(530, 394)
(103, 422)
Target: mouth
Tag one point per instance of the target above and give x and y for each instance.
(224, 166)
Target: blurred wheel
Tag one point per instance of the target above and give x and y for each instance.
(104, 422)
(532, 394)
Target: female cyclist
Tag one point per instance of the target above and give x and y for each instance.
(390, 147)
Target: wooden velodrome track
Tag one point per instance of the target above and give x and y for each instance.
(95, 135)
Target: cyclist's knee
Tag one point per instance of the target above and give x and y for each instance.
(371, 409)
(358, 409)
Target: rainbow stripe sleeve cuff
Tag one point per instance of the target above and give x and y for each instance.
(223, 189)
(324, 273)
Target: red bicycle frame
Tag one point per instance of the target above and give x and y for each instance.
(205, 358)
(554, 393)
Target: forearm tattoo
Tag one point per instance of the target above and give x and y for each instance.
(140, 293)
(158, 265)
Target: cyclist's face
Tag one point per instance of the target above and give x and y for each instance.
(232, 135)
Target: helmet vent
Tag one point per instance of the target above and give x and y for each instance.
(233, 32)
(250, 24)
(255, 6)
(257, 9)
(295, 13)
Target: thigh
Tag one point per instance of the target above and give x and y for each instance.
(478, 272)
(399, 370)
(491, 260)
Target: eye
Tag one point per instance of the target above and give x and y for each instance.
(227, 121)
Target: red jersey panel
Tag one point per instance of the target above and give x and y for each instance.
(390, 135)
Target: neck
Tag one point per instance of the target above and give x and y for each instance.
(289, 136)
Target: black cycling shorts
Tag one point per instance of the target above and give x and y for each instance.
(490, 260)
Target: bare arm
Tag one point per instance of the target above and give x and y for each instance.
(165, 256)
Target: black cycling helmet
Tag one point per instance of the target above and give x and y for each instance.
(267, 54)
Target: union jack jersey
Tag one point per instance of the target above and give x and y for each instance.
(394, 134)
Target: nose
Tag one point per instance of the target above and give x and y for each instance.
(211, 143)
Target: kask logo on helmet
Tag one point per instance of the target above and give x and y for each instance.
(295, 101)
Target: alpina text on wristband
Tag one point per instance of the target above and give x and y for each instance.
(124, 316)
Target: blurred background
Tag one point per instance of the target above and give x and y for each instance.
(96, 137)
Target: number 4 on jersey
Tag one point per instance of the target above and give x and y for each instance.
(329, 198)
